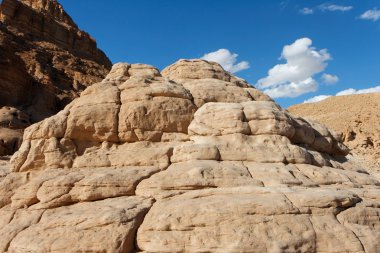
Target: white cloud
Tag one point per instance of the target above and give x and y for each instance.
(350, 91)
(306, 11)
(373, 15)
(316, 99)
(293, 90)
(329, 79)
(334, 7)
(295, 76)
(227, 59)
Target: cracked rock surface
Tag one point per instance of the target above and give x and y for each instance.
(191, 159)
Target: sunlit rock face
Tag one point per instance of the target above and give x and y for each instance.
(46, 61)
(192, 159)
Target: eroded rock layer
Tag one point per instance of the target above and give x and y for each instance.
(188, 160)
(46, 61)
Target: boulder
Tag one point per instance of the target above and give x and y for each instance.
(143, 162)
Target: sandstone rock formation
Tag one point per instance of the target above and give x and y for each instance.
(357, 117)
(46, 61)
(160, 162)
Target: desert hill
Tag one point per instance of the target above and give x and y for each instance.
(46, 61)
(357, 117)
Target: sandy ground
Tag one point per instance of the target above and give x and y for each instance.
(357, 117)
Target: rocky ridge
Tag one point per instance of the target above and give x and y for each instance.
(46, 61)
(357, 117)
(191, 159)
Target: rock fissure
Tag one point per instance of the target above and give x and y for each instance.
(20, 231)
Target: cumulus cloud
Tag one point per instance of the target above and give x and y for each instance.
(295, 77)
(306, 11)
(292, 89)
(360, 91)
(227, 59)
(334, 7)
(373, 15)
(316, 99)
(350, 91)
(329, 79)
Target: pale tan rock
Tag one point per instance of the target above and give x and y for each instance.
(41, 154)
(333, 236)
(15, 222)
(215, 119)
(258, 95)
(8, 186)
(323, 175)
(95, 120)
(259, 148)
(26, 195)
(321, 200)
(360, 178)
(128, 154)
(320, 159)
(107, 225)
(55, 188)
(54, 126)
(118, 73)
(4, 168)
(364, 222)
(151, 106)
(229, 174)
(369, 195)
(159, 114)
(274, 174)
(246, 219)
(265, 117)
(208, 82)
(214, 90)
(304, 133)
(193, 175)
(186, 152)
(174, 137)
(184, 71)
(143, 70)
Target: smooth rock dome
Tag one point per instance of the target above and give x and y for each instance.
(192, 159)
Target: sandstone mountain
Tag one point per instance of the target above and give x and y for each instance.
(45, 62)
(191, 159)
(356, 116)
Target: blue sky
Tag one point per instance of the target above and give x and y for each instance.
(161, 32)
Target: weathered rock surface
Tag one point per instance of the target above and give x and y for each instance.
(46, 61)
(359, 126)
(144, 162)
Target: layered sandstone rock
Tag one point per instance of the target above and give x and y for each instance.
(46, 61)
(359, 125)
(144, 162)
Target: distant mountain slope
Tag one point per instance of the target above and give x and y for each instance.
(45, 62)
(356, 116)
